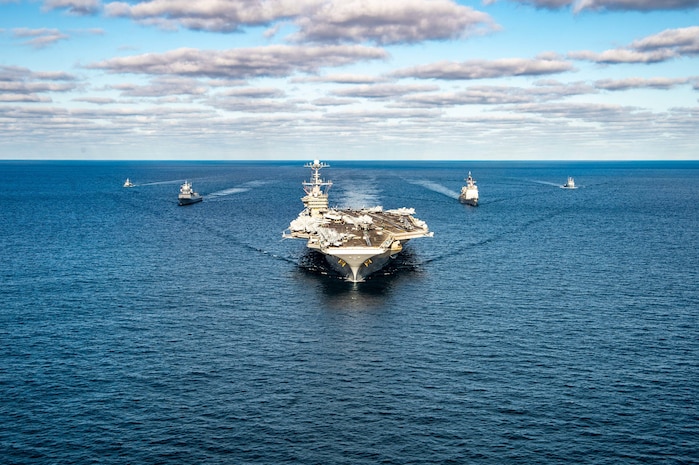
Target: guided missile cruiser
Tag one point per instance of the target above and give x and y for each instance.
(355, 242)
(469, 192)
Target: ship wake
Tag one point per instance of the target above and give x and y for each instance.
(436, 187)
(158, 183)
(547, 183)
(456, 251)
(245, 187)
(360, 194)
(229, 191)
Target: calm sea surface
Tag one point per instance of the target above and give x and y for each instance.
(545, 326)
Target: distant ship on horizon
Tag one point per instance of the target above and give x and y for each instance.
(570, 184)
(355, 242)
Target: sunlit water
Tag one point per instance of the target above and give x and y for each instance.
(544, 326)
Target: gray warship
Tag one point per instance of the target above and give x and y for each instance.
(187, 195)
(355, 242)
(469, 192)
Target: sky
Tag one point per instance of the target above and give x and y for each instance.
(349, 79)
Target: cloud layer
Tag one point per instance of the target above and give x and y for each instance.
(319, 21)
(610, 5)
(664, 46)
(273, 60)
(414, 78)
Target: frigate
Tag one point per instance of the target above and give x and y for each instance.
(187, 195)
(355, 242)
(469, 192)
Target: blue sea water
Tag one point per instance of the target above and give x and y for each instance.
(545, 326)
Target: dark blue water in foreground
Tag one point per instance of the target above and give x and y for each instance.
(545, 326)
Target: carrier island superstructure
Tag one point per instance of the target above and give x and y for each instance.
(355, 242)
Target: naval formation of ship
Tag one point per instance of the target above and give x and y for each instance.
(355, 242)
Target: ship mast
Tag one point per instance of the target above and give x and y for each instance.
(316, 198)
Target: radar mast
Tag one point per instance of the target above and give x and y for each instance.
(316, 198)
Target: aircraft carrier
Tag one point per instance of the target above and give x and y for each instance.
(355, 242)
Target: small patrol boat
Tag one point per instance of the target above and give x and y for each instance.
(570, 184)
(128, 183)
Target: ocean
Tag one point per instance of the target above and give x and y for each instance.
(545, 326)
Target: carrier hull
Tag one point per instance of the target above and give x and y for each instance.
(355, 264)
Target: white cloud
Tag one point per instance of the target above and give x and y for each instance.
(19, 84)
(21, 97)
(74, 7)
(255, 92)
(666, 45)
(391, 21)
(684, 41)
(39, 38)
(255, 105)
(635, 5)
(612, 5)
(551, 4)
(589, 112)
(164, 86)
(332, 102)
(383, 91)
(274, 60)
(319, 21)
(640, 83)
(341, 79)
(497, 95)
(480, 69)
(211, 15)
(96, 100)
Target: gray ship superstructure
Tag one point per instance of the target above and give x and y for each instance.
(355, 242)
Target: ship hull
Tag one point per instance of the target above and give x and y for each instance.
(356, 263)
(473, 202)
(190, 201)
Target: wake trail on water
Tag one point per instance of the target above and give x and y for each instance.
(245, 187)
(436, 187)
(223, 235)
(233, 239)
(358, 200)
(495, 237)
(547, 183)
(229, 191)
(174, 181)
(358, 193)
